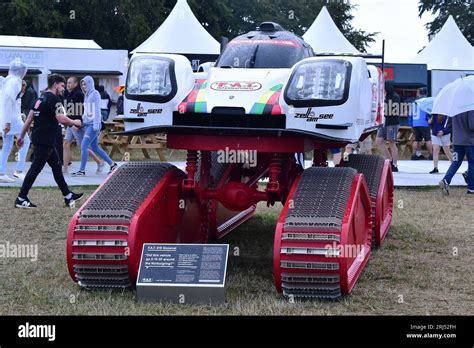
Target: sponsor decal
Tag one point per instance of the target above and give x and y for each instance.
(243, 86)
(141, 112)
(268, 103)
(310, 116)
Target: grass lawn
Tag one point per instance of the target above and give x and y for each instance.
(424, 267)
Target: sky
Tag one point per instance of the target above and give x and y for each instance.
(398, 23)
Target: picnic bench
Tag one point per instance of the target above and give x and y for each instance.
(405, 140)
(123, 144)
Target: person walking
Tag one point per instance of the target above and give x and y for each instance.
(105, 103)
(47, 112)
(389, 131)
(11, 122)
(74, 106)
(421, 128)
(92, 122)
(28, 98)
(462, 127)
(441, 137)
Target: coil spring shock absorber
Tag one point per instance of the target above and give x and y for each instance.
(191, 167)
(273, 187)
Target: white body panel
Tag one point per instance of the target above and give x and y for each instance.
(242, 88)
(355, 112)
(156, 114)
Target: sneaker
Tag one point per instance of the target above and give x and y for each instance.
(434, 171)
(394, 168)
(19, 175)
(76, 197)
(113, 167)
(444, 186)
(24, 203)
(100, 168)
(79, 173)
(6, 179)
(464, 175)
(469, 192)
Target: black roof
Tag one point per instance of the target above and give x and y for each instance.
(270, 30)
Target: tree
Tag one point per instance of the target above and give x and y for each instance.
(240, 16)
(125, 24)
(461, 10)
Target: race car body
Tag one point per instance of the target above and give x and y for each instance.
(265, 80)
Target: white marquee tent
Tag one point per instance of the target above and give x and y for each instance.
(448, 56)
(324, 36)
(449, 49)
(180, 33)
(69, 57)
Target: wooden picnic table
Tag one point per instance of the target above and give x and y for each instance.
(123, 144)
(405, 140)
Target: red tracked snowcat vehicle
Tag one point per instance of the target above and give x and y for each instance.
(268, 95)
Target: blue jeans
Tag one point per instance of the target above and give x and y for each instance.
(7, 148)
(91, 141)
(458, 154)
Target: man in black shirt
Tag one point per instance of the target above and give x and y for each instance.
(47, 112)
(389, 131)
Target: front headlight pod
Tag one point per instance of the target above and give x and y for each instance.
(151, 79)
(319, 83)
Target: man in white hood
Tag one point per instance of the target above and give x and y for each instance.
(10, 119)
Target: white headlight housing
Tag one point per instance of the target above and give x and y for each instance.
(319, 83)
(150, 77)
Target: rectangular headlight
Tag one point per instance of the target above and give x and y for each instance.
(149, 76)
(314, 83)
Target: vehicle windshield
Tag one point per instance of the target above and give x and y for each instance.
(263, 54)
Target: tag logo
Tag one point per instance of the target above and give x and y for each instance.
(140, 111)
(310, 116)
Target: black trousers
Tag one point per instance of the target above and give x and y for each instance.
(59, 146)
(44, 154)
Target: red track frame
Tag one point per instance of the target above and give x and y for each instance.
(384, 204)
(349, 273)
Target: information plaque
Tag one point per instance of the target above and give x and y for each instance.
(182, 273)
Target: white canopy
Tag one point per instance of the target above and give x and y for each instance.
(180, 33)
(25, 41)
(325, 37)
(449, 50)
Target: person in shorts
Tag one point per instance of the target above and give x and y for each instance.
(421, 128)
(389, 131)
(441, 137)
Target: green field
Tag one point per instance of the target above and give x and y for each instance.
(424, 267)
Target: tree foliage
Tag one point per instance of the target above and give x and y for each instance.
(125, 24)
(461, 10)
